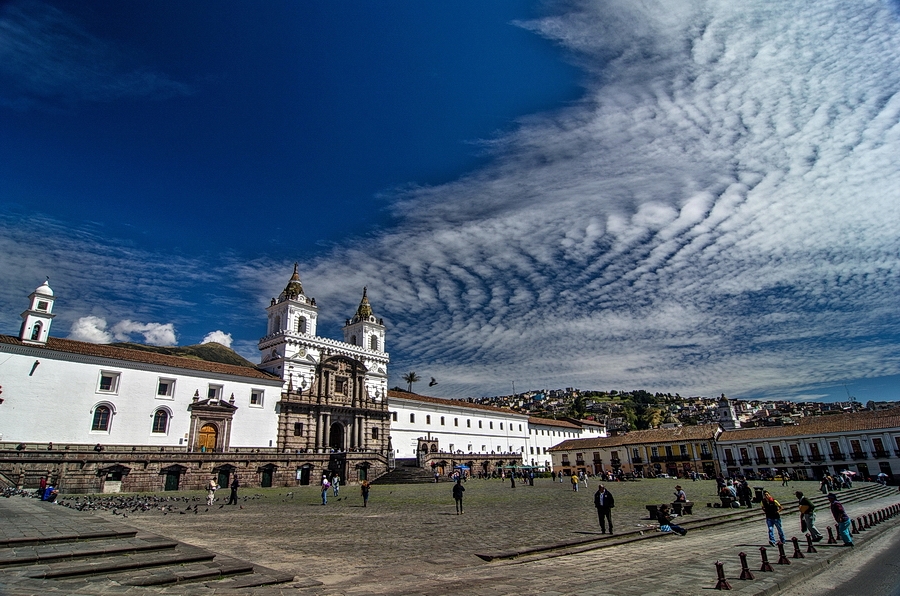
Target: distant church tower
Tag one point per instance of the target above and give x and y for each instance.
(728, 420)
(36, 320)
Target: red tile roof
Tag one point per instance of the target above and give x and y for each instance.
(55, 344)
(459, 403)
(820, 425)
(552, 422)
(703, 432)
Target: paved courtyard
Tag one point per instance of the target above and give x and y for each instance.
(410, 541)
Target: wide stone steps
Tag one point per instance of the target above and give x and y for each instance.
(27, 554)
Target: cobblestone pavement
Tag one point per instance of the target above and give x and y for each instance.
(409, 540)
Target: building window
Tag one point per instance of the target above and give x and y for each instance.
(160, 422)
(532, 450)
(165, 388)
(442, 421)
(373, 343)
(301, 325)
(491, 426)
(109, 382)
(42, 305)
(374, 432)
(340, 386)
(214, 392)
(479, 424)
(412, 418)
(683, 449)
(102, 417)
(456, 422)
(277, 324)
(654, 451)
(393, 416)
(36, 331)
(469, 425)
(352, 340)
(298, 429)
(501, 426)
(483, 448)
(520, 428)
(256, 397)
(428, 419)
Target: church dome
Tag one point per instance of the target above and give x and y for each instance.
(294, 289)
(44, 289)
(364, 312)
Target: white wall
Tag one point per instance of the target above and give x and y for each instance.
(56, 401)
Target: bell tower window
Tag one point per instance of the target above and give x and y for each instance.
(301, 325)
(352, 340)
(36, 331)
(373, 342)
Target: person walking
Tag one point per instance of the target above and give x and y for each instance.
(458, 490)
(574, 479)
(211, 488)
(232, 500)
(842, 519)
(772, 509)
(364, 490)
(807, 516)
(325, 486)
(335, 485)
(604, 502)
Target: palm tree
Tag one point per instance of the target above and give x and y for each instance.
(410, 378)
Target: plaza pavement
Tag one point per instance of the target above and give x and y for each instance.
(409, 541)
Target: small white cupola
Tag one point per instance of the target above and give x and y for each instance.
(36, 320)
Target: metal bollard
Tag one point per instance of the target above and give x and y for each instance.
(797, 554)
(722, 584)
(853, 527)
(745, 570)
(860, 524)
(809, 544)
(782, 558)
(871, 521)
(831, 539)
(766, 566)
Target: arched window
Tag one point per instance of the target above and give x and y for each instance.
(36, 331)
(277, 324)
(102, 417)
(373, 342)
(301, 325)
(352, 340)
(160, 422)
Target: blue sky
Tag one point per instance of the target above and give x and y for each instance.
(676, 196)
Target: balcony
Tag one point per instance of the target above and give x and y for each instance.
(795, 459)
(579, 462)
(615, 462)
(730, 463)
(746, 461)
(816, 457)
(838, 456)
(880, 453)
(637, 460)
(706, 456)
(777, 459)
(762, 460)
(669, 458)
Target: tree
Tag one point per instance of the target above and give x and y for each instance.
(410, 378)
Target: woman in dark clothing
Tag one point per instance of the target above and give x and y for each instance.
(458, 490)
(665, 521)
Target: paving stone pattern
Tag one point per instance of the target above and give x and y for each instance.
(541, 540)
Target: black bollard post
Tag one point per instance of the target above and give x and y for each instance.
(831, 539)
(853, 529)
(766, 566)
(809, 544)
(782, 558)
(722, 584)
(860, 524)
(797, 554)
(745, 570)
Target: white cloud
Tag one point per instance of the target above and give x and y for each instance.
(155, 334)
(219, 337)
(90, 329)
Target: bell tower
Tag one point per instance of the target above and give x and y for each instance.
(291, 318)
(364, 329)
(36, 320)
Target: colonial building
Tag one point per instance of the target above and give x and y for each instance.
(864, 442)
(673, 451)
(98, 417)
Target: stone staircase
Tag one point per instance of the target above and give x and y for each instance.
(407, 471)
(65, 561)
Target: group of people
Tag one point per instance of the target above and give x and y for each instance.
(213, 485)
(772, 509)
(734, 492)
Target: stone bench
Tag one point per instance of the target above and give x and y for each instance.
(686, 508)
(652, 511)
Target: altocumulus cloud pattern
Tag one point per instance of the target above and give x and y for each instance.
(719, 212)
